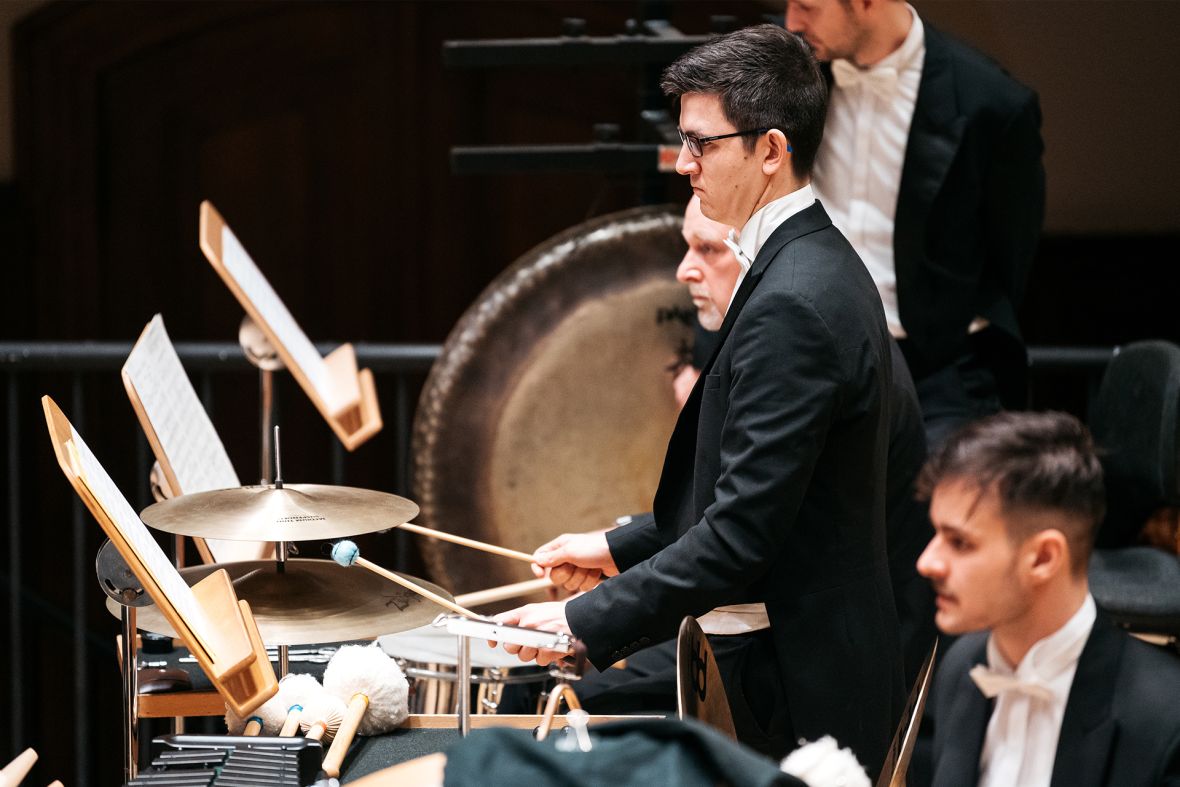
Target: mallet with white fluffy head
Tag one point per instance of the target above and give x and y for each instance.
(280, 714)
(376, 692)
(321, 716)
(236, 725)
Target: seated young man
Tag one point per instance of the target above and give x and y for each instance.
(1046, 691)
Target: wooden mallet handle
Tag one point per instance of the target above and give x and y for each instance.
(346, 553)
(475, 598)
(524, 557)
(352, 719)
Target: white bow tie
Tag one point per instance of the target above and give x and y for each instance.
(881, 80)
(992, 683)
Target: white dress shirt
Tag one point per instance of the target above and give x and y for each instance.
(745, 618)
(759, 228)
(858, 168)
(1021, 740)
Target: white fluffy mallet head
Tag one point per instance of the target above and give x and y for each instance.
(365, 669)
(294, 690)
(823, 763)
(236, 725)
(322, 714)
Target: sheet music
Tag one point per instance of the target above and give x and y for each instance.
(274, 313)
(140, 539)
(187, 436)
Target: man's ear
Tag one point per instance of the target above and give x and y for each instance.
(778, 152)
(1047, 555)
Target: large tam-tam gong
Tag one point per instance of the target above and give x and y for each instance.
(551, 405)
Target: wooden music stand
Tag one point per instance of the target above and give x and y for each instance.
(216, 627)
(182, 437)
(346, 398)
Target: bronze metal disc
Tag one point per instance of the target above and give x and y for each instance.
(296, 512)
(311, 601)
(550, 407)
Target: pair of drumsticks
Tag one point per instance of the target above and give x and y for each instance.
(346, 553)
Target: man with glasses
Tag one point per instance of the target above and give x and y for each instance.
(769, 520)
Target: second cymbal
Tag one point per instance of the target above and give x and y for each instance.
(294, 512)
(311, 601)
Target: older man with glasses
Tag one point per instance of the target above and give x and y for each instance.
(769, 520)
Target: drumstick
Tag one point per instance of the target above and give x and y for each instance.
(15, 771)
(467, 542)
(502, 592)
(346, 553)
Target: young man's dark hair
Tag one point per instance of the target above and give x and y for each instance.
(1034, 462)
(766, 78)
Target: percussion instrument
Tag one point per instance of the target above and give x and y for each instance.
(550, 406)
(311, 601)
(429, 656)
(292, 512)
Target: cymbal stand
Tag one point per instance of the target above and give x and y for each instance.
(259, 351)
(117, 581)
(281, 553)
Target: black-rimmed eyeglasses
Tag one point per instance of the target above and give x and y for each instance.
(696, 145)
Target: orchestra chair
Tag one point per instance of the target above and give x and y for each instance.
(700, 694)
(1135, 420)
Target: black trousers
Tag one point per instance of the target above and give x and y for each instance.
(954, 395)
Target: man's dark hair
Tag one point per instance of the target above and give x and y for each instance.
(1035, 463)
(765, 78)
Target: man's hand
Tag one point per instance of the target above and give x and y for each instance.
(549, 616)
(575, 561)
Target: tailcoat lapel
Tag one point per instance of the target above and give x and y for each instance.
(682, 445)
(935, 134)
(1087, 729)
(962, 731)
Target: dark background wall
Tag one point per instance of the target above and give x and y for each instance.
(321, 131)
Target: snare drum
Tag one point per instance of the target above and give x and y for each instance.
(429, 657)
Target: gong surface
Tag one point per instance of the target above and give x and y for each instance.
(294, 512)
(550, 406)
(311, 601)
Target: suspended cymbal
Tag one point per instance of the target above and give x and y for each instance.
(297, 512)
(311, 601)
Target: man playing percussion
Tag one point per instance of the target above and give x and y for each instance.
(1047, 691)
(769, 519)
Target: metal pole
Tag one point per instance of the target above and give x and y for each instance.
(80, 559)
(130, 697)
(15, 638)
(463, 685)
(266, 416)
